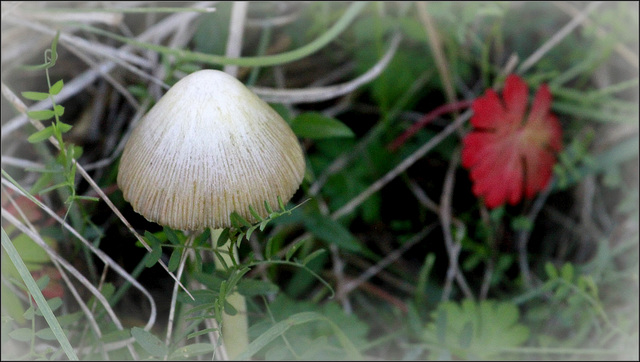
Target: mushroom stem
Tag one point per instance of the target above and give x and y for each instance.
(235, 328)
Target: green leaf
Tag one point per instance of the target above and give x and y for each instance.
(174, 261)
(156, 250)
(268, 249)
(21, 334)
(200, 297)
(41, 135)
(31, 254)
(292, 250)
(222, 239)
(551, 270)
(238, 221)
(476, 330)
(466, 336)
(223, 263)
(171, 236)
(153, 257)
(254, 213)
(332, 232)
(312, 256)
(41, 115)
(192, 350)
(149, 342)
(278, 329)
(316, 126)
(58, 110)
(230, 309)
(202, 238)
(56, 88)
(53, 303)
(11, 303)
(64, 128)
(35, 96)
(69, 319)
(201, 332)
(152, 239)
(197, 264)
(117, 335)
(75, 151)
(567, 272)
(268, 207)
(108, 289)
(253, 287)
(211, 281)
(251, 230)
(46, 334)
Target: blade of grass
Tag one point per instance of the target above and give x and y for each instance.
(37, 296)
(281, 327)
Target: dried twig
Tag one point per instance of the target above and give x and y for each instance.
(435, 44)
(386, 261)
(453, 248)
(627, 54)
(558, 37)
(308, 95)
(160, 30)
(401, 167)
(236, 30)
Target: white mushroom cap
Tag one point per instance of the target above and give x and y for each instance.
(207, 148)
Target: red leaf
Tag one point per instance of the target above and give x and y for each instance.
(511, 153)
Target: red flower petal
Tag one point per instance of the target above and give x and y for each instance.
(485, 109)
(541, 104)
(510, 156)
(516, 96)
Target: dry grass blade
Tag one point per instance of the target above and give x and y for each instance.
(386, 261)
(401, 167)
(308, 95)
(70, 268)
(453, 247)
(71, 88)
(558, 36)
(236, 31)
(99, 253)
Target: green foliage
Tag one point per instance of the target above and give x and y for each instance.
(470, 330)
(316, 126)
(244, 229)
(286, 333)
(35, 292)
(68, 153)
(149, 342)
(331, 231)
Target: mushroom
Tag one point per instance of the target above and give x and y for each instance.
(209, 147)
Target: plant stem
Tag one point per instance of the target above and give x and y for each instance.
(446, 108)
(259, 61)
(235, 328)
